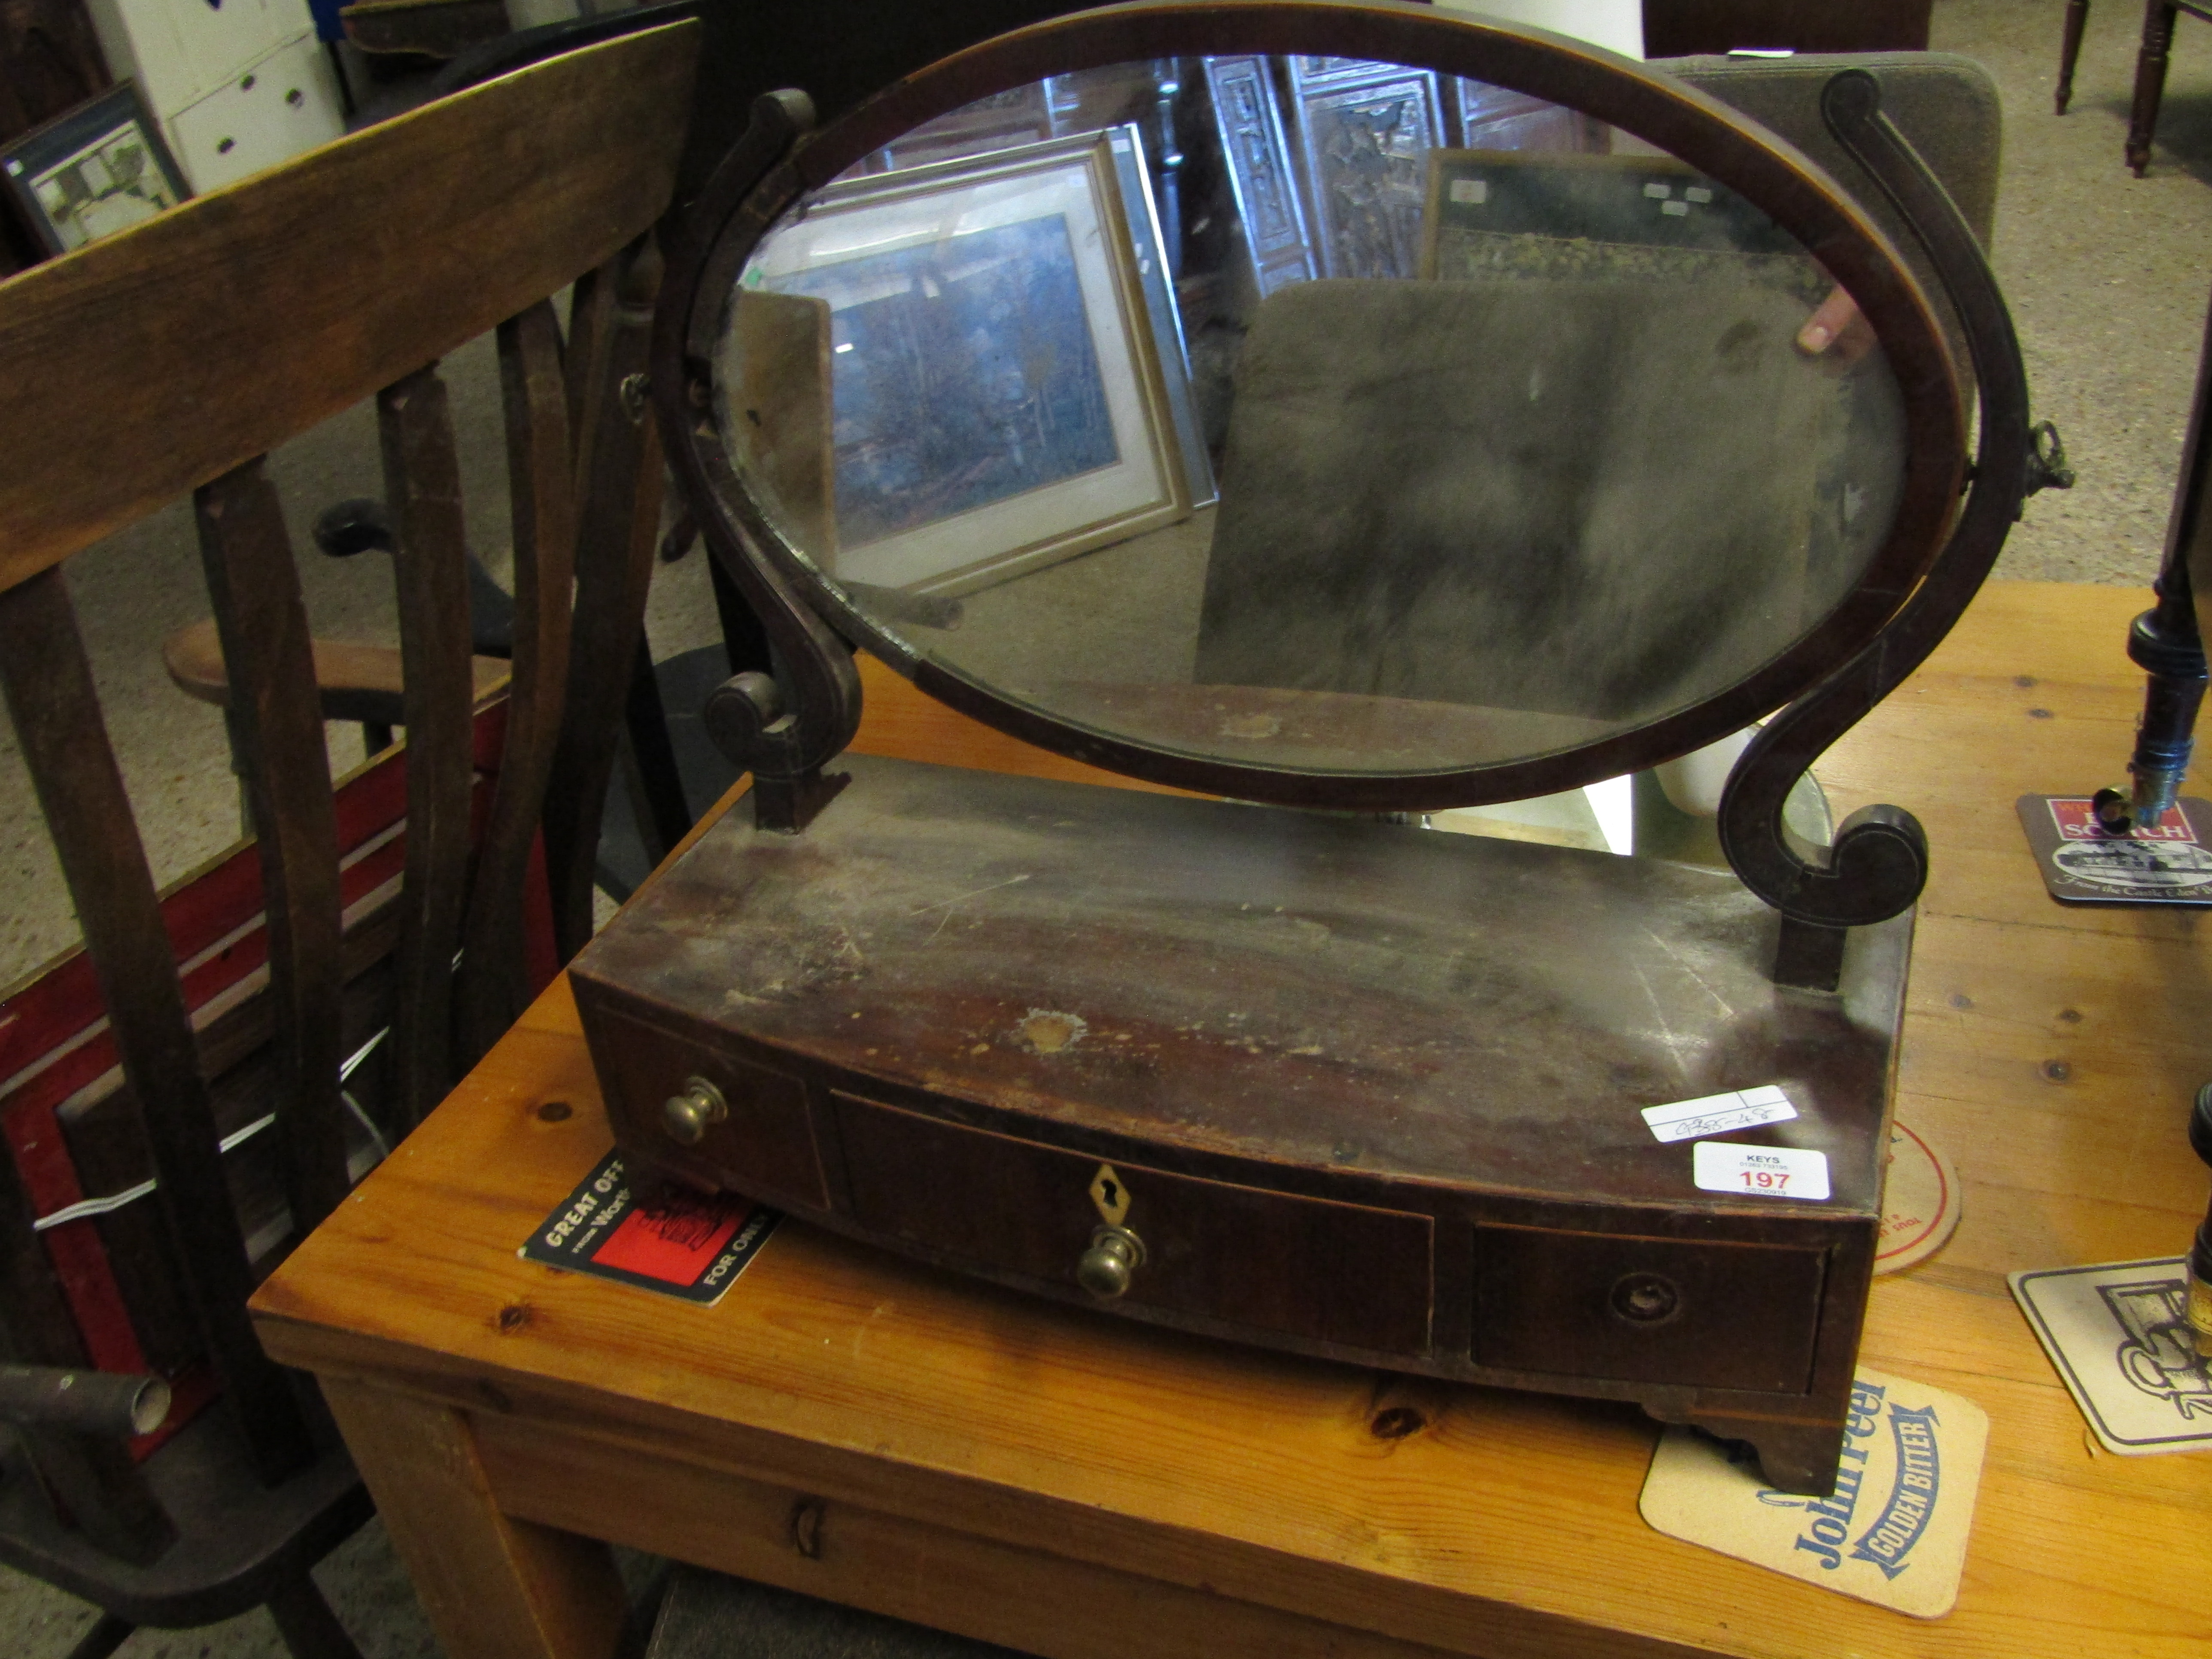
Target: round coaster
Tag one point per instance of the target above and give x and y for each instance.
(1919, 1201)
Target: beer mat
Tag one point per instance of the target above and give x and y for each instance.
(2083, 863)
(680, 1244)
(1893, 1532)
(1919, 1201)
(2118, 1335)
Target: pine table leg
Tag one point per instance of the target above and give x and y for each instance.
(494, 1587)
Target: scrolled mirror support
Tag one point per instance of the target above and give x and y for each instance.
(1879, 862)
(781, 728)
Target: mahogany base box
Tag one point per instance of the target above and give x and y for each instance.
(1361, 1090)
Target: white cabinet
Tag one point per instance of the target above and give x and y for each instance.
(218, 39)
(237, 84)
(286, 103)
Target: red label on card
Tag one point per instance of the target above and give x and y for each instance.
(687, 1245)
(2084, 863)
(2076, 819)
(674, 1244)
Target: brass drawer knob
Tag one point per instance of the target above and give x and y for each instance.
(688, 1114)
(1112, 1259)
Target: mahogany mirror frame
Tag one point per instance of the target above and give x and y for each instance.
(791, 727)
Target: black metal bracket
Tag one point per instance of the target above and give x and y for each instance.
(784, 725)
(1879, 862)
(2166, 641)
(2046, 461)
(2163, 642)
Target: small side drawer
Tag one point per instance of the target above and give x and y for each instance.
(1304, 1267)
(1701, 1313)
(763, 1148)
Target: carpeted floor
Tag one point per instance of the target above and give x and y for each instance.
(2105, 274)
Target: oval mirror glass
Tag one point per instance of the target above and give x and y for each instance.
(1314, 414)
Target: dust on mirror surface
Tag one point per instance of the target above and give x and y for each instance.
(1310, 413)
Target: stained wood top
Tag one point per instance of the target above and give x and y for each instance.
(2052, 1052)
(288, 297)
(1359, 1001)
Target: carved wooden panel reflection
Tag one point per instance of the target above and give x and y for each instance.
(1493, 117)
(1364, 133)
(1258, 163)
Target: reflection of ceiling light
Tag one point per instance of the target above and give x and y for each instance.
(848, 346)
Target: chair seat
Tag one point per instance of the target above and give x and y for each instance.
(357, 682)
(237, 1541)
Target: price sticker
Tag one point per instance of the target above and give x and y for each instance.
(1723, 1166)
(1718, 1115)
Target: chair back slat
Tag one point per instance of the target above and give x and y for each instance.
(422, 490)
(276, 733)
(493, 987)
(618, 481)
(209, 333)
(48, 687)
(591, 303)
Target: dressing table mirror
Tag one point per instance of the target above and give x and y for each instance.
(1343, 414)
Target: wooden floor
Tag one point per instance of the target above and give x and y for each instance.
(874, 1432)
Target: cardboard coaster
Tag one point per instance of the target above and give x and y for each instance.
(1920, 1201)
(682, 1244)
(2120, 1336)
(2082, 863)
(1893, 1532)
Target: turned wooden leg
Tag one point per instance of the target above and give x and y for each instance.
(2077, 16)
(494, 1587)
(2150, 82)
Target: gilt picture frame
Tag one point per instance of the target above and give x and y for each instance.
(964, 455)
(91, 171)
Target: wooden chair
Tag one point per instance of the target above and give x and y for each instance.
(2151, 59)
(169, 358)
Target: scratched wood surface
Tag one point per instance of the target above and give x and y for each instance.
(489, 203)
(851, 1425)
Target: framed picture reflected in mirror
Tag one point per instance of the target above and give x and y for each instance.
(1007, 385)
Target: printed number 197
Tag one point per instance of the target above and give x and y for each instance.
(1795, 1174)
